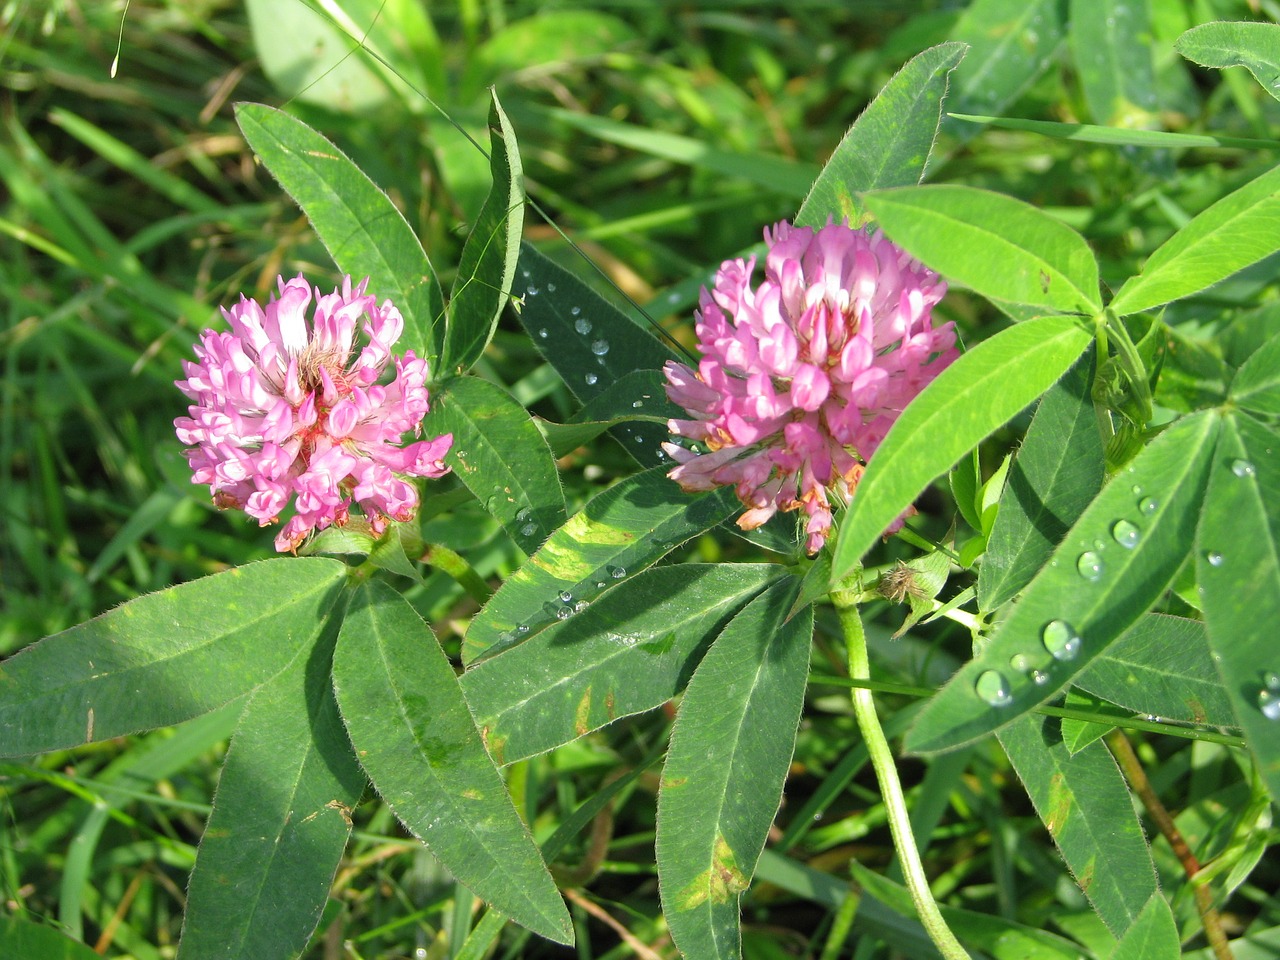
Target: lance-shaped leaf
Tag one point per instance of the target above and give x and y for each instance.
(1012, 42)
(166, 657)
(500, 455)
(1116, 74)
(1111, 567)
(1240, 229)
(1086, 806)
(998, 246)
(488, 261)
(630, 651)
(1153, 934)
(1256, 385)
(357, 223)
(1162, 667)
(280, 820)
(617, 534)
(722, 781)
(589, 342)
(1254, 46)
(978, 393)
(1238, 572)
(889, 144)
(1055, 473)
(414, 737)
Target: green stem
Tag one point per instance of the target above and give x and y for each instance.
(864, 710)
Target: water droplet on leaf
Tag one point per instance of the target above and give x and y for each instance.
(1061, 640)
(1090, 566)
(1243, 468)
(1214, 557)
(566, 596)
(582, 325)
(1126, 534)
(590, 379)
(1269, 704)
(1148, 506)
(991, 687)
(600, 347)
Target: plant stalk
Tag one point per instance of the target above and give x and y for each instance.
(864, 710)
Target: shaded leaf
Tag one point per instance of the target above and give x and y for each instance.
(1085, 804)
(1240, 229)
(1254, 46)
(192, 648)
(1154, 934)
(589, 342)
(1055, 473)
(1238, 572)
(359, 225)
(1100, 580)
(722, 780)
(1117, 75)
(889, 144)
(620, 532)
(280, 820)
(33, 941)
(488, 261)
(978, 393)
(998, 246)
(630, 651)
(1162, 667)
(500, 455)
(1256, 385)
(414, 737)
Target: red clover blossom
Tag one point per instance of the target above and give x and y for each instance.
(801, 377)
(283, 406)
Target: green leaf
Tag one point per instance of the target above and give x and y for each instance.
(983, 389)
(32, 941)
(589, 342)
(500, 455)
(998, 246)
(1055, 473)
(722, 781)
(280, 820)
(1254, 46)
(1162, 667)
(630, 651)
(1012, 42)
(1117, 75)
(1085, 804)
(488, 262)
(635, 396)
(1153, 935)
(1256, 385)
(414, 737)
(192, 648)
(359, 225)
(1116, 136)
(1115, 562)
(1238, 573)
(889, 144)
(620, 532)
(1240, 229)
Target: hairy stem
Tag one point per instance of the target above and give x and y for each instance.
(864, 710)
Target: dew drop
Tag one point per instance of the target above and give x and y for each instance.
(991, 687)
(590, 379)
(524, 514)
(551, 288)
(542, 332)
(582, 325)
(566, 596)
(1020, 662)
(1061, 640)
(618, 573)
(580, 606)
(575, 311)
(1040, 677)
(1272, 681)
(1126, 534)
(637, 404)
(1214, 558)
(522, 629)
(528, 530)
(1269, 704)
(531, 291)
(564, 613)
(1090, 566)
(1148, 506)
(1243, 468)
(1137, 490)
(600, 347)
(599, 584)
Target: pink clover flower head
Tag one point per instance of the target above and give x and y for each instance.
(802, 375)
(292, 405)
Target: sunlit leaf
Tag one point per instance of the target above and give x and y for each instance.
(414, 736)
(1254, 46)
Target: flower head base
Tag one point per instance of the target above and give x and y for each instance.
(802, 376)
(285, 406)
